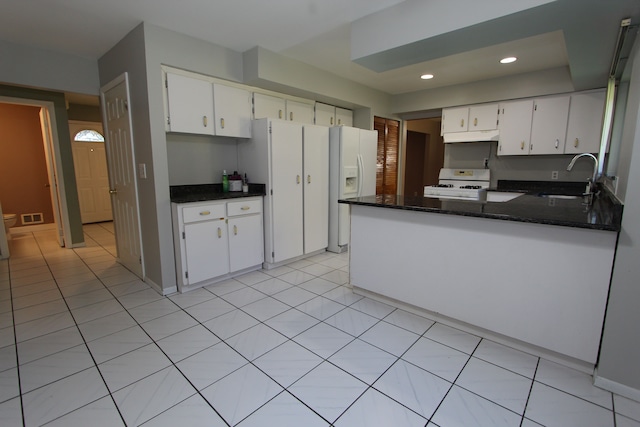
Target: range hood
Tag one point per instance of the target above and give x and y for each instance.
(473, 136)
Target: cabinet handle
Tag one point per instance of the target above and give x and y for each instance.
(222, 123)
(522, 145)
(219, 233)
(308, 179)
(557, 143)
(245, 208)
(279, 114)
(339, 122)
(461, 123)
(331, 121)
(205, 213)
(291, 115)
(205, 121)
(235, 230)
(475, 121)
(297, 179)
(576, 143)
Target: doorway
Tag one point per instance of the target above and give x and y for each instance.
(29, 173)
(424, 155)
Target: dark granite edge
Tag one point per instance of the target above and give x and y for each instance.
(504, 217)
(205, 192)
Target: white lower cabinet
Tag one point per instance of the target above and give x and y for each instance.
(216, 240)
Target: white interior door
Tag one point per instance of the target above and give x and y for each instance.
(122, 177)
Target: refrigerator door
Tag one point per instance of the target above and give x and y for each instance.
(368, 143)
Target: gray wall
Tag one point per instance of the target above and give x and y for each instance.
(620, 351)
(28, 66)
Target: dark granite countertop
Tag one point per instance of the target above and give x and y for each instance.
(205, 192)
(605, 213)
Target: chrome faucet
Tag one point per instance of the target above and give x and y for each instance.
(591, 186)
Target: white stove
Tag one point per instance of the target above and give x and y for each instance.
(461, 184)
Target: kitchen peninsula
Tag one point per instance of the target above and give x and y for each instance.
(532, 269)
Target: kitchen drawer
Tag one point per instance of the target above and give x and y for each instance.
(203, 212)
(244, 207)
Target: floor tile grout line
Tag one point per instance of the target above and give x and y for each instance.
(95, 364)
(524, 411)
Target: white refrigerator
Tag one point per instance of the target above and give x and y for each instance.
(352, 173)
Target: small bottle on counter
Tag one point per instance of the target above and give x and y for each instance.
(225, 182)
(245, 184)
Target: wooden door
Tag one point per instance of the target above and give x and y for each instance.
(387, 167)
(415, 163)
(122, 176)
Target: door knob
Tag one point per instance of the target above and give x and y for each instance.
(113, 191)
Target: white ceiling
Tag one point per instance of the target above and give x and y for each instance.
(579, 34)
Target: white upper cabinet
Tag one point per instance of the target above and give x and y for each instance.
(483, 117)
(329, 115)
(515, 127)
(470, 118)
(344, 117)
(190, 105)
(267, 106)
(585, 122)
(455, 119)
(273, 107)
(325, 114)
(549, 126)
(232, 111)
(299, 112)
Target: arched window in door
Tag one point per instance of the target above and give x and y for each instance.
(88, 135)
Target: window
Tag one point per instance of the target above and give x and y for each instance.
(88, 135)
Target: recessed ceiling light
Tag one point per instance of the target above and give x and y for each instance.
(426, 76)
(508, 60)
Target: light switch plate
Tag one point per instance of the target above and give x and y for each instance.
(142, 170)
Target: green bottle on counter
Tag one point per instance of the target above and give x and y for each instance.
(225, 182)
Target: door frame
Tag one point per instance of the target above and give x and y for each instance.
(54, 166)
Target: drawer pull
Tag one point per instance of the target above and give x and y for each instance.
(576, 143)
(557, 143)
(279, 114)
(235, 230)
(308, 179)
(205, 213)
(245, 208)
(219, 233)
(522, 145)
(297, 179)
(475, 121)
(205, 121)
(461, 123)
(222, 123)
(291, 116)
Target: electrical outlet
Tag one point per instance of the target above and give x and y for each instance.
(554, 174)
(142, 170)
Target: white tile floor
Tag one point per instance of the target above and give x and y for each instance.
(83, 342)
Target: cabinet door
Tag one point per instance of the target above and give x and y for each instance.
(325, 114)
(515, 127)
(455, 119)
(206, 250)
(245, 242)
(267, 106)
(585, 122)
(286, 184)
(190, 103)
(232, 108)
(344, 117)
(549, 126)
(316, 188)
(299, 112)
(483, 117)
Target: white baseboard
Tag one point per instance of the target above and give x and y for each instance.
(616, 387)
